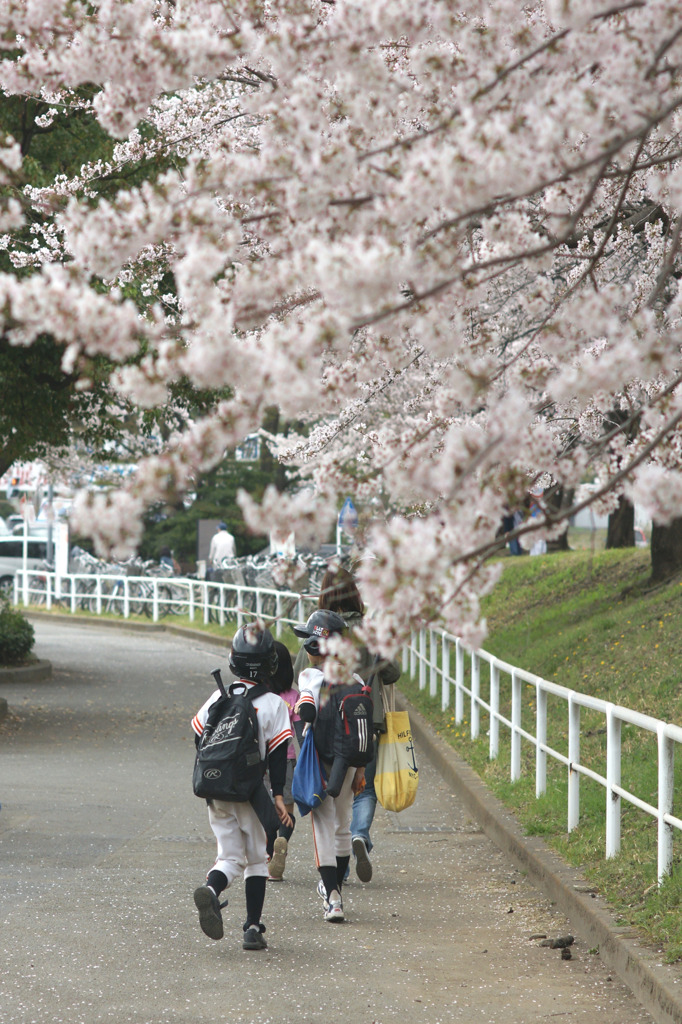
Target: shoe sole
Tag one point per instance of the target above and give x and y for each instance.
(363, 865)
(278, 859)
(210, 922)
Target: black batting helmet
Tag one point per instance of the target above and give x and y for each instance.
(253, 655)
(321, 624)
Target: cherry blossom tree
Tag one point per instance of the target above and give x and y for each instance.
(445, 238)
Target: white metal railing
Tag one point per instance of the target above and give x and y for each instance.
(158, 596)
(427, 658)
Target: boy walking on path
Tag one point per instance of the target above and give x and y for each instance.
(240, 827)
(281, 683)
(331, 819)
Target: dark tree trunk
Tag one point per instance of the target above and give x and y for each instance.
(271, 423)
(666, 550)
(559, 500)
(621, 530)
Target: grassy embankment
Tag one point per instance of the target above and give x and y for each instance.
(592, 623)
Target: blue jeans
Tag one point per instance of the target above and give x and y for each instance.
(364, 806)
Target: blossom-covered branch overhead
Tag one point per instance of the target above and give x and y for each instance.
(446, 237)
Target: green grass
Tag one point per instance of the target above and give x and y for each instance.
(590, 622)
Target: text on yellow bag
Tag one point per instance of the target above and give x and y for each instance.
(397, 774)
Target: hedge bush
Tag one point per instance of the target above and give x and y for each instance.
(16, 635)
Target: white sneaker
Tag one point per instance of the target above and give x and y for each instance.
(322, 893)
(334, 908)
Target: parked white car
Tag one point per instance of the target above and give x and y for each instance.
(12, 557)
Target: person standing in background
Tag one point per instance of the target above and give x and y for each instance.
(222, 546)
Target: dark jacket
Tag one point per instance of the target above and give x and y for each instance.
(388, 674)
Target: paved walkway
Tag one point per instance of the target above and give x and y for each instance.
(102, 843)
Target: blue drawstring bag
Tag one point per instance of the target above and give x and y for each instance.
(309, 786)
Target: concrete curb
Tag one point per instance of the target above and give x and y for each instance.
(136, 627)
(85, 620)
(35, 673)
(653, 983)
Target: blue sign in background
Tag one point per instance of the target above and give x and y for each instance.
(348, 517)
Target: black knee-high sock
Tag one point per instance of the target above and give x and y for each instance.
(328, 876)
(254, 890)
(341, 865)
(286, 831)
(217, 880)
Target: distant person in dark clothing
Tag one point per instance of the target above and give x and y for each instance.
(166, 558)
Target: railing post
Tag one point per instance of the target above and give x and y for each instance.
(259, 605)
(573, 759)
(406, 657)
(433, 663)
(422, 659)
(516, 689)
(494, 747)
(204, 597)
(540, 738)
(221, 612)
(666, 784)
(459, 683)
(240, 608)
(155, 599)
(126, 598)
(25, 588)
(445, 666)
(48, 591)
(475, 693)
(413, 655)
(74, 594)
(613, 731)
(278, 611)
(98, 597)
(191, 602)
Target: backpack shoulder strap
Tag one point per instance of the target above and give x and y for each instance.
(256, 691)
(250, 692)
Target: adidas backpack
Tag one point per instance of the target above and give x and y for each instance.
(344, 730)
(228, 764)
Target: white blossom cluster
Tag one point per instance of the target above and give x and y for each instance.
(445, 238)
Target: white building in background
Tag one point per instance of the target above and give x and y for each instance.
(589, 519)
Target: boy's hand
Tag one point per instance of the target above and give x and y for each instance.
(358, 783)
(282, 812)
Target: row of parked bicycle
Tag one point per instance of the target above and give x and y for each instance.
(241, 586)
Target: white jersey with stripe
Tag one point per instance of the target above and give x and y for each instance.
(273, 719)
(312, 685)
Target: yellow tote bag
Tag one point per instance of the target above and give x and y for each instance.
(397, 774)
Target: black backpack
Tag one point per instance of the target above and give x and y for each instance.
(343, 730)
(228, 764)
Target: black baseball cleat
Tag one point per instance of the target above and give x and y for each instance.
(209, 907)
(254, 938)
